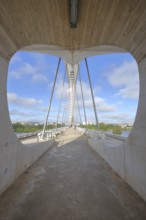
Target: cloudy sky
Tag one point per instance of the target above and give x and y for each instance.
(114, 78)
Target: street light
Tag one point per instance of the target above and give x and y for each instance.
(73, 13)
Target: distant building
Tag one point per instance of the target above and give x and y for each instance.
(123, 125)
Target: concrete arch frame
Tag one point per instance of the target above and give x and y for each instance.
(128, 160)
(118, 23)
(15, 157)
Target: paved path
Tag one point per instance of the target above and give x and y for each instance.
(71, 182)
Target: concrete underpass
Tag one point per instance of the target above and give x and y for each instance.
(71, 181)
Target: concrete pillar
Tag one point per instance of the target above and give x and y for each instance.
(72, 74)
(128, 159)
(15, 157)
(135, 149)
(8, 140)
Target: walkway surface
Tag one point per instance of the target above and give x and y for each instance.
(71, 182)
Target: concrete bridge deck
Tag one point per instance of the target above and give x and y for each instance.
(70, 182)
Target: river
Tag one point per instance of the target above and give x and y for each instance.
(125, 133)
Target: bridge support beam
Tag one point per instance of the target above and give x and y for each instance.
(128, 158)
(72, 75)
(15, 157)
(135, 148)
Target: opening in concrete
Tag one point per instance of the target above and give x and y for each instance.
(115, 82)
(29, 85)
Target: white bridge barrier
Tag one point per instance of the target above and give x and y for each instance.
(99, 135)
(23, 136)
(19, 156)
(110, 147)
(50, 133)
(126, 159)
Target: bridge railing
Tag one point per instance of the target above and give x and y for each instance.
(99, 135)
(50, 133)
(115, 136)
(29, 135)
(93, 134)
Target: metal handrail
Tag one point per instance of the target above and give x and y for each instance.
(52, 133)
(94, 134)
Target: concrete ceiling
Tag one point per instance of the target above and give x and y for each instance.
(45, 24)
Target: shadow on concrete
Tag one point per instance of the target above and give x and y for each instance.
(71, 182)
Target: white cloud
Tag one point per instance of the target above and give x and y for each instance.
(39, 78)
(23, 69)
(15, 58)
(117, 118)
(15, 112)
(35, 71)
(15, 74)
(125, 77)
(58, 89)
(101, 103)
(119, 103)
(131, 91)
(25, 116)
(13, 98)
(29, 115)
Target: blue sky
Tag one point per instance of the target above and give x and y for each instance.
(114, 78)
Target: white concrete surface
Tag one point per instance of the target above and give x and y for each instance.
(71, 182)
(72, 72)
(135, 148)
(129, 158)
(14, 156)
(112, 151)
(94, 35)
(27, 154)
(74, 57)
(126, 159)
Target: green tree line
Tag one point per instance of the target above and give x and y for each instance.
(116, 129)
(24, 128)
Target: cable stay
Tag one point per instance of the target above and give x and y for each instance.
(77, 99)
(62, 92)
(52, 93)
(94, 106)
(82, 97)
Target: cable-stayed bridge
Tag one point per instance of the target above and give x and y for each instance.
(82, 174)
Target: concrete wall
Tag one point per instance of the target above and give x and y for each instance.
(15, 157)
(135, 149)
(28, 154)
(126, 160)
(129, 159)
(112, 153)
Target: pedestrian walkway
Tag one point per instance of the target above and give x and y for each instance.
(71, 182)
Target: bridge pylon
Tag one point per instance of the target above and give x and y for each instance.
(72, 71)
